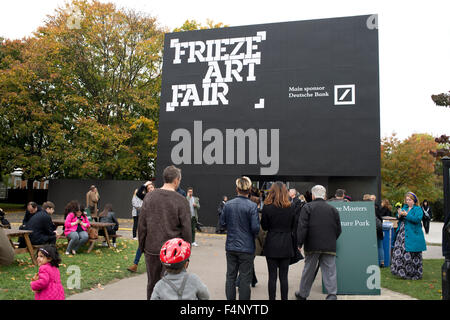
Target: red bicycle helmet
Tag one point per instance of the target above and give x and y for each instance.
(175, 251)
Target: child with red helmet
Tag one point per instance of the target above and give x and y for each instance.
(177, 283)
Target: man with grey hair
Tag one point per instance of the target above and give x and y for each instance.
(293, 196)
(319, 227)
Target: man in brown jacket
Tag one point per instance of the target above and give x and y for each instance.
(164, 215)
(92, 198)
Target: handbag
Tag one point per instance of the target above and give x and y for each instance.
(93, 233)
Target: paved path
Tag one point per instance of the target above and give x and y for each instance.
(209, 262)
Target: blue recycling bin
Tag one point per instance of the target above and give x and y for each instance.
(388, 232)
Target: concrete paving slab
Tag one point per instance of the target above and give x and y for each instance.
(208, 261)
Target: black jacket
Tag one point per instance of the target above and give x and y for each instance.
(142, 191)
(379, 222)
(279, 224)
(319, 227)
(385, 212)
(28, 216)
(428, 211)
(43, 228)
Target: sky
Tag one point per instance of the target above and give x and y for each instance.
(414, 43)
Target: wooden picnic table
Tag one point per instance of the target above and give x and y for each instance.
(97, 225)
(104, 226)
(22, 233)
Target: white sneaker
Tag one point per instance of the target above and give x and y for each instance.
(114, 245)
(134, 238)
(104, 244)
(67, 252)
(195, 244)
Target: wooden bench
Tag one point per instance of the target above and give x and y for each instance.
(25, 250)
(91, 242)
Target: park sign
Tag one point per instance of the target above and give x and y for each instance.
(357, 266)
(289, 101)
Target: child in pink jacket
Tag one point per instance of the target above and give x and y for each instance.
(47, 283)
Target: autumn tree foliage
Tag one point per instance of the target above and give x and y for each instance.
(443, 148)
(190, 25)
(408, 166)
(80, 98)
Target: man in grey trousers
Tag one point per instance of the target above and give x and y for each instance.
(319, 227)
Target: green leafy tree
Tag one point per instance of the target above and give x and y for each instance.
(442, 99)
(81, 97)
(190, 25)
(27, 108)
(408, 166)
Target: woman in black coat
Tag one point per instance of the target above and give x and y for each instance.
(427, 215)
(277, 219)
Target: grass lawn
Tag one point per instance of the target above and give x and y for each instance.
(428, 288)
(97, 268)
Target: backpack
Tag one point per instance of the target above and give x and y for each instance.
(179, 290)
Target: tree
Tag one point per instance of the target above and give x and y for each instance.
(443, 148)
(82, 98)
(408, 166)
(442, 99)
(190, 25)
(28, 109)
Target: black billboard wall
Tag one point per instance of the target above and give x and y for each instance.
(294, 101)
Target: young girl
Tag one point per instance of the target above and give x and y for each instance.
(47, 283)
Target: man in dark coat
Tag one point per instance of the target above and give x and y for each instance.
(32, 209)
(219, 228)
(318, 229)
(42, 225)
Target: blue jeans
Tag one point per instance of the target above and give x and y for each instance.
(380, 250)
(76, 240)
(138, 256)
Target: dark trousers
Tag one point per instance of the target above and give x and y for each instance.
(426, 225)
(135, 225)
(155, 271)
(242, 263)
(193, 227)
(280, 267)
(111, 232)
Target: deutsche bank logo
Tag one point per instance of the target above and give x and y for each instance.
(344, 94)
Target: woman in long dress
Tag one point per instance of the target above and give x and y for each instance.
(409, 241)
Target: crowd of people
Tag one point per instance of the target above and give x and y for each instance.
(278, 223)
